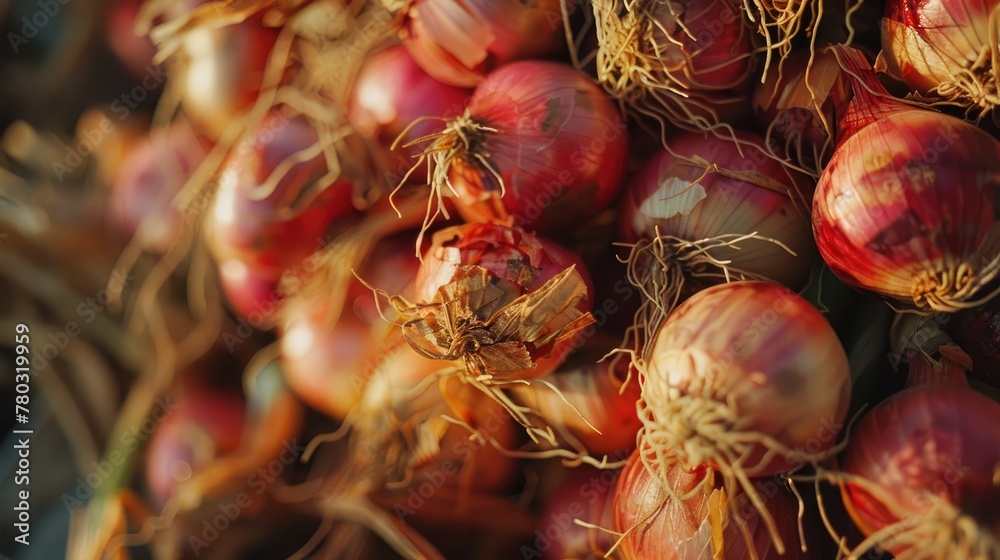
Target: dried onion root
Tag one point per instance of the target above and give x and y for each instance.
(677, 63)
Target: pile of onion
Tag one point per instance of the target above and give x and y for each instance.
(538, 142)
(681, 514)
(907, 206)
(747, 379)
(709, 211)
(922, 468)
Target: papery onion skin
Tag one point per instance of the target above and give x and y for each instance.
(559, 149)
(459, 41)
(685, 201)
(510, 253)
(677, 530)
(928, 440)
(797, 106)
(937, 48)
(390, 93)
(762, 352)
(906, 203)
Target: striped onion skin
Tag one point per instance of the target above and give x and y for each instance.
(458, 42)
(678, 197)
(941, 48)
(680, 515)
(709, 211)
(907, 209)
(538, 142)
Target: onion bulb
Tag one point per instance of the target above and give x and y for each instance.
(538, 142)
(944, 49)
(591, 396)
(586, 494)
(391, 92)
(207, 424)
(906, 207)
(679, 514)
(746, 378)
(459, 41)
(220, 71)
(275, 204)
(329, 353)
(677, 62)
(923, 468)
(500, 304)
(707, 211)
(147, 181)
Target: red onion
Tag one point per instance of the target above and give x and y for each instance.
(747, 378)
(924, 467)
(586, 494)
(675, 62)
(596, 399)
(539, 142)
(510, 254)
(275, 202)
(152, 174)
(678, 514)
(944, 49)
(459, 41)
(207, 424)
(391, 92)
(507, 252)
(329, 354)
(906, 207)
(708, 211)
(221, 70)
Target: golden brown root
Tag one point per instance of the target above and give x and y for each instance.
(462, 140)
(778, 22)
(952, 290)
(661, 267)
(630, 67)
(702, 429)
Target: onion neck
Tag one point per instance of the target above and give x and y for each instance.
(868, 100)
